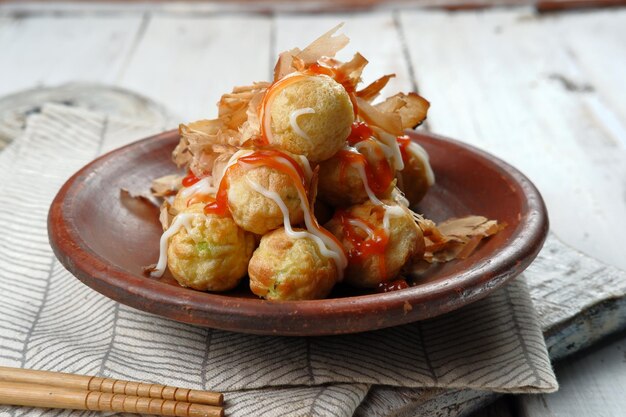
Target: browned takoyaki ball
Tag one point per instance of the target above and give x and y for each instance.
(288, 268)
(400, 242)
(417, 176)
(342, 178)
(254, 211)
(311, 116)
(339, 183)
(212, 255)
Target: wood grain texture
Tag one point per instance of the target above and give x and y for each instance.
(577, 293)
(53, 50)
(591, 384)
(188, 63)
(513, 83)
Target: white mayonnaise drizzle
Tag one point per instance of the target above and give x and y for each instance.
(398, 196)
(373, 142)
(293, 121)
(386, 149)
(327, 246)
(392, 144)
(275, 197)
(361, 225)
(201, 187)
(421, 154)
(370, 194)
(390, 211)
(181, 220)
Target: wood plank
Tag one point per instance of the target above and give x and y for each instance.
(188, 63)
(595, 43)
(592, 384)
(496, 81)
(53, 50)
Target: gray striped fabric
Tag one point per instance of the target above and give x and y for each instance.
(49, 320)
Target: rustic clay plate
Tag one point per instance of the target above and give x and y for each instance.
(105, 241)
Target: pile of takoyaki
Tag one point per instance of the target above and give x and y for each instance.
(283, 158)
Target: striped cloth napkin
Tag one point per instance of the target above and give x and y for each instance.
(49, 320)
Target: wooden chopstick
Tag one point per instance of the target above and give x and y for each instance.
(108, 385)
(37, 395)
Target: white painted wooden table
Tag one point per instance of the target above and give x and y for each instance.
(544, 92)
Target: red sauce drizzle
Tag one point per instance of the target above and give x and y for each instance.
(364, 247)
(360, 132)
(398, 284)
(379, 174)
(190, 179)
(264, 157)
(220, 205)
(319, 69)
(269, 157)
(347, 158)
(404, 142)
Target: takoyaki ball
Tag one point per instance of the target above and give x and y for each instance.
(417, 176)
(340, 180)
(339, 183)
(312, 117)
(255, 212)
(287, 268)
(212, 255)
(371, 261)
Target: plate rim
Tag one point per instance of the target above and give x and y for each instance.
(194, 306)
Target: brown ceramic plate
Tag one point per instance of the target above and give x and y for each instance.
(105, 242)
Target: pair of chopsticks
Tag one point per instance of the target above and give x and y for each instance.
(46, 389)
